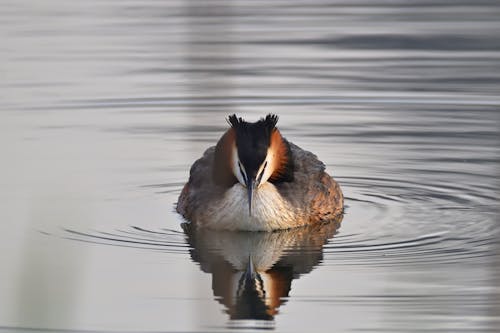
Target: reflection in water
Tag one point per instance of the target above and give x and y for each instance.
(252, 272)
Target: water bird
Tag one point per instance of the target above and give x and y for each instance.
(254, 179)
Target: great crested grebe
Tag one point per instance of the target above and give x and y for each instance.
(254, 179)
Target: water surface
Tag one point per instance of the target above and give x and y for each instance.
(105, 105)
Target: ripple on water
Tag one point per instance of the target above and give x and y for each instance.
(409, 223)
(164, 240)
(388, 222)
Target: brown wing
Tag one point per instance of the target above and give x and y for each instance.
(313, 191)
(200, 189)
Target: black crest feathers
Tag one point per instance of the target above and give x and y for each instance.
(269, 122)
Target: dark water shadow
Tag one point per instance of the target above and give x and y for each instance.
(252, 272)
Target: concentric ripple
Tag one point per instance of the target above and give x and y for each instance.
(165, 240)
(405, 222)
(387, 222)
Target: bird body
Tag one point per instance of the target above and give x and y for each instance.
(254, 179)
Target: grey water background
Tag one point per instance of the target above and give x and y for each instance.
(104, 105)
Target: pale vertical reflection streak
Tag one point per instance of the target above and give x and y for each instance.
(209, 27)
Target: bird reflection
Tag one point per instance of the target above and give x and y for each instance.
(252, 272)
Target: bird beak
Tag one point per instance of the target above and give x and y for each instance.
(251, 185)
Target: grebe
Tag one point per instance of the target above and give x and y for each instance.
(254, 179)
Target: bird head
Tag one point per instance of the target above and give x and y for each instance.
(252, 154)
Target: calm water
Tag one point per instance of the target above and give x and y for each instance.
(105, 105)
